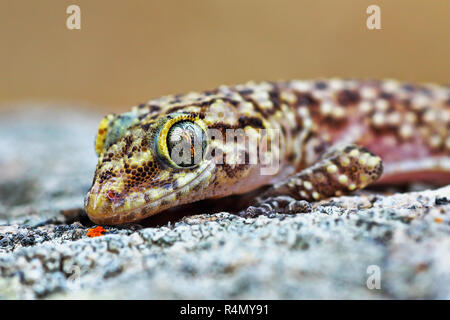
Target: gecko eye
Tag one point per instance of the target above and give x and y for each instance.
(185, 144)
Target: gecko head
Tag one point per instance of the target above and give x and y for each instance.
(148, 165)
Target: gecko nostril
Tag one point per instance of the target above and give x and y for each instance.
(112, 195)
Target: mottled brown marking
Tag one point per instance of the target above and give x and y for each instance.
(306, 99)
(348, 97)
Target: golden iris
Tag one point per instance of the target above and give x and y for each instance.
(182, 143)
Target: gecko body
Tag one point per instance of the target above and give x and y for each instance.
(308, 139)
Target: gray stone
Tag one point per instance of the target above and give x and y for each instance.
(318, 250)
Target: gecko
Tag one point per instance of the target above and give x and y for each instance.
(309, 139)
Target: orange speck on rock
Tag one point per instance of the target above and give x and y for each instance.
(95, 232)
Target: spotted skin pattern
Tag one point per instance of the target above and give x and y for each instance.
(324, 130)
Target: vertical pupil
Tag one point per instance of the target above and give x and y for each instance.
(184, 143)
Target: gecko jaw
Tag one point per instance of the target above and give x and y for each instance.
(103, 209)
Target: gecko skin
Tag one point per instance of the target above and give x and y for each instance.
(324, 130)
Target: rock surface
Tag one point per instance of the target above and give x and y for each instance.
(334, 249)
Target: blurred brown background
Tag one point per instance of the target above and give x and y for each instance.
(130, 51)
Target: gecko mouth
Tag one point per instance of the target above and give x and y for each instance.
(104, 208)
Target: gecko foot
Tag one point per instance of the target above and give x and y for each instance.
(274, 205)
